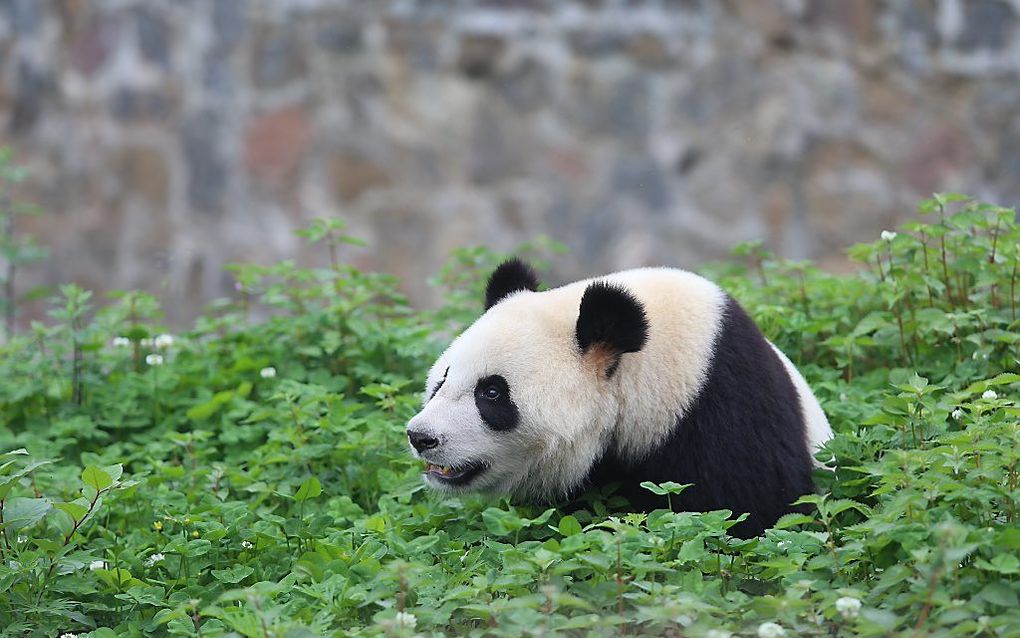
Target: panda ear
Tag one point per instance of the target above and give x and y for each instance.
(611, 322)
(513, 275)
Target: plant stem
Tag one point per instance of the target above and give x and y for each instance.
(8, 232)
(1012, 291)
(945, 261)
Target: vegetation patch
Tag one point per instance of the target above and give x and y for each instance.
(251, 476)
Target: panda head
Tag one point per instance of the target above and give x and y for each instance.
(525, 400)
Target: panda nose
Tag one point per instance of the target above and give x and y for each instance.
(421, 442)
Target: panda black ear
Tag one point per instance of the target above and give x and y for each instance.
(611, 322)
(511, 276)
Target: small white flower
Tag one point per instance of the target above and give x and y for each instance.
(68, 635)
(888, 235)
(718, 633)
(990, 395)
(163, 341)
(154, 359)
(121, 342)
(957, 414)
(22, 539)
(269, 372)
(246, 545)
(97, 564)
(848, 607)
(770, 630)
(155, 558)
(404, 619)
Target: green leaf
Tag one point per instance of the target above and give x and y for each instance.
(96, 478)
(7, 482)
(999, 594)
(20, 512)
(501, 522)
(569, 526)
(661, 489)
(233, 575)
(787, 521)
(75, 510)
(205, 410)
(308, 490)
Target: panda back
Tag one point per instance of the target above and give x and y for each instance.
(732, 417)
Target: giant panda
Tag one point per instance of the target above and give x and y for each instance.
(653, 374)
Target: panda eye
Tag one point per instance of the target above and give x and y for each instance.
(491, 393)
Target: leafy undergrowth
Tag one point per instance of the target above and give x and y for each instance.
(251, 477)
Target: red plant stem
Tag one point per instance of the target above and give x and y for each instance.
(74, 528)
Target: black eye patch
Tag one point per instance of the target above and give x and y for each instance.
(440, 384)
(492, 397)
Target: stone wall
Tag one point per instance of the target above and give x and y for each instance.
(166, 139)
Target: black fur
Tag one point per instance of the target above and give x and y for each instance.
(742, 443)
(509, 277)
(498, 411)
(612, 317)
(440, 383)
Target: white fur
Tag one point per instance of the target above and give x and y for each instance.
(815, 421)
(569, 411)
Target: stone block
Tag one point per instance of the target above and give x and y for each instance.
(352, 173)
(143, 171)
(154, 37)
(205, 163)
(278, 56)
(988, 24)
(275, 143)
(479, 55)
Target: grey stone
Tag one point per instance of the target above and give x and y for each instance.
(229, 23)
(218, 73)
(494, 151)
(987, 24)
(916, 16)
(204, 162)
(479, 55)
(635, 131)
(33, 87)
(526, 86)
(25, 16)
(641, 178)
(621, 110)
(340, 35)
(90, 46)
(596, 43)
(413, 41)
(153, 37)
(278, 57)
(130, 104)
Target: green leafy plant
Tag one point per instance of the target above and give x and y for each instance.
(16, 250)
(251, 477)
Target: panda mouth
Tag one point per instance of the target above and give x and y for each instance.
(454, 475)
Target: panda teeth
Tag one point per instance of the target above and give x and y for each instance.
(438, 469)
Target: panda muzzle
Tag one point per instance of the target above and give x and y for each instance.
(458, 475)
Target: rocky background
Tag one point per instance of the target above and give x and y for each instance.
(167, 139)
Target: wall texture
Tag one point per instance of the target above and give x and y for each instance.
(166, 139)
